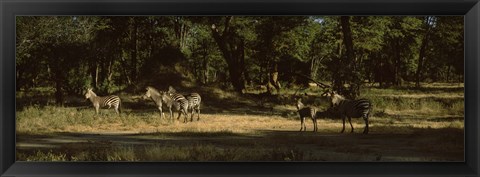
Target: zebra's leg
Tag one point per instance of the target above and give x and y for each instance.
(116, 110)
(171, 113)
(191, 117)
(185, 115)
(162, 116)
(343, 119)
(350, 121)
(97, 109)
(365, 131)
(301, 123)
(304, 124)
(198, 113)
(314, 125)
(110, 106)
(119, 108)
(179, 113)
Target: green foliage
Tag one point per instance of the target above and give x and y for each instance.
(110, 54)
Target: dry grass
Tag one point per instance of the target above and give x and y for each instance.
(241, 124)
(406, 125)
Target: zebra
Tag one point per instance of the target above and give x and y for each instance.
(351, 109)
(194, 100)
(158, 98)
(178, 101)
(306, 111)
(105, 101)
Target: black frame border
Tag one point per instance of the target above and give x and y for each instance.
(11, 8)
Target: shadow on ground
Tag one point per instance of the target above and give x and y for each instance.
(444, 144)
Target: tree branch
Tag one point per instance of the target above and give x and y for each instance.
(321, 85)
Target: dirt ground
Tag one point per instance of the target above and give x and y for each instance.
(383, 143)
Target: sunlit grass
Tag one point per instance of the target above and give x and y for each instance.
(402, 111)
(387, 109)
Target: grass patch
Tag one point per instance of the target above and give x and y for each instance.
(41, 156)
(194, 152)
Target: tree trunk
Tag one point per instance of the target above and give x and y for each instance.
(205, 66)
(396, 62)
(134, 50)
(421, 57)
(379, 72)
(448, 72)
(347, 38)
(422, 53)
(125, 70)
(350, 72)
(58, 93)
(232, 47)
(95, 75)
(58, 78)
(181, 31)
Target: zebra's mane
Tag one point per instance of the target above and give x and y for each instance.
(165, 97)
(336, 99)
(153, 90)
(92, 93)
(300, 105)
(171, 90)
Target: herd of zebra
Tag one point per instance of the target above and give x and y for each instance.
(183, 104)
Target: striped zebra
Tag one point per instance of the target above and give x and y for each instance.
(158, 99)
(306, 111)
(351, 109)
(194, 100)
(103, 102)
(178, 101)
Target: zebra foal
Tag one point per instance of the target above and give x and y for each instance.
(178, 101)
(194, 100)
(351, 109)
(306, 111)
(103, 102)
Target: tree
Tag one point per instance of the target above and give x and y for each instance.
(232, 45)
(206, 60)
(280, 38)
(446, 51)
(349, 60)
(428, 24)
(60, 43)
(126, 53)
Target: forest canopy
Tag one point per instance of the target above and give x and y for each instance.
(112, 54)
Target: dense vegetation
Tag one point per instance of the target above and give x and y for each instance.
(113, 54)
